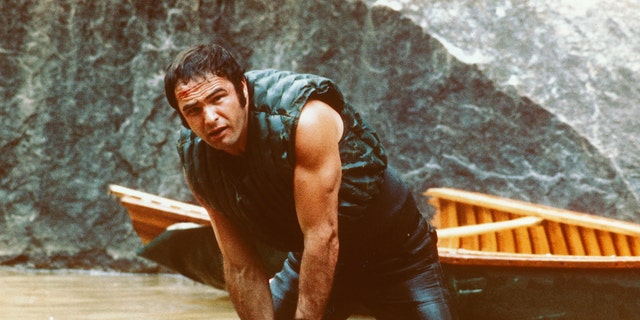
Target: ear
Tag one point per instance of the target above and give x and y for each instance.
(245, 91)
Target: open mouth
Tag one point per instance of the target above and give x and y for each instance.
(217, 132)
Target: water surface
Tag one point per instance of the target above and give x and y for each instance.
(84, 295)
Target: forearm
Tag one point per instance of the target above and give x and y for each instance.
(249, 290)
(316, 277)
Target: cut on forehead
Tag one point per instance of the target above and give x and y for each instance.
(185, 88)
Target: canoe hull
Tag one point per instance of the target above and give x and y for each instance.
(544, 293)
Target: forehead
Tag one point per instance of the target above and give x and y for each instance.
(199, 86)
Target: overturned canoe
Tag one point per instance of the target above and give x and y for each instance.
(151, 215)
(179, 236)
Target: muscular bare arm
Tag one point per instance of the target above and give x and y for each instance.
(245, 275)
(317, 177)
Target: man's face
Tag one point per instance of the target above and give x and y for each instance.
(212, 110)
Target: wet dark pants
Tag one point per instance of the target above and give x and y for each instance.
(400, 277)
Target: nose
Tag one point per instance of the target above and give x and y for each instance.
(210, 115)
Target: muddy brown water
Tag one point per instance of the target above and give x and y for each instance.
(70, 295)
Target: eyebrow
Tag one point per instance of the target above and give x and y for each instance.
(194, 103)
(189, 106)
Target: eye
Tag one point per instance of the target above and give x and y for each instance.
(192, 111)
(216, 98)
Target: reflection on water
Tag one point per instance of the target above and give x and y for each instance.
(71, 295)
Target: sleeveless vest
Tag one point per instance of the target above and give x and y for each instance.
(255, 190)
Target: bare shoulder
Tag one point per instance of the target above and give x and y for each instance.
(319, 119)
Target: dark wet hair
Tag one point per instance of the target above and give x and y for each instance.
(198, 62)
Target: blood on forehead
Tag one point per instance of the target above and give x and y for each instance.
(184, 91)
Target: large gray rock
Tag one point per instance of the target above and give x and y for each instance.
(577, 59)
(83, 105)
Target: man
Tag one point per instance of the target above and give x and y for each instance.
(281, 158)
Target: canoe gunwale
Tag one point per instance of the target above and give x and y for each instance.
(159, 203)
(529, 209)
(185, 216)
(480, 258)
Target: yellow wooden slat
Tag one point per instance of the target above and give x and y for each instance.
(607, 247)
(506, 241)
(621, 244)
(590, 241)
(488, 241)
(574, 240)
(437, 216)
(556, 238)
(634, 245)
(522, 239)
(539, 240)
(448, 219)
(467, 217)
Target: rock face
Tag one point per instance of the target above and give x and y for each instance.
(83, 104)
(576, 59)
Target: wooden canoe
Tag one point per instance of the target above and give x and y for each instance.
(473, 229)
(502, 259)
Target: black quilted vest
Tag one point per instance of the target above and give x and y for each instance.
(255, 190)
